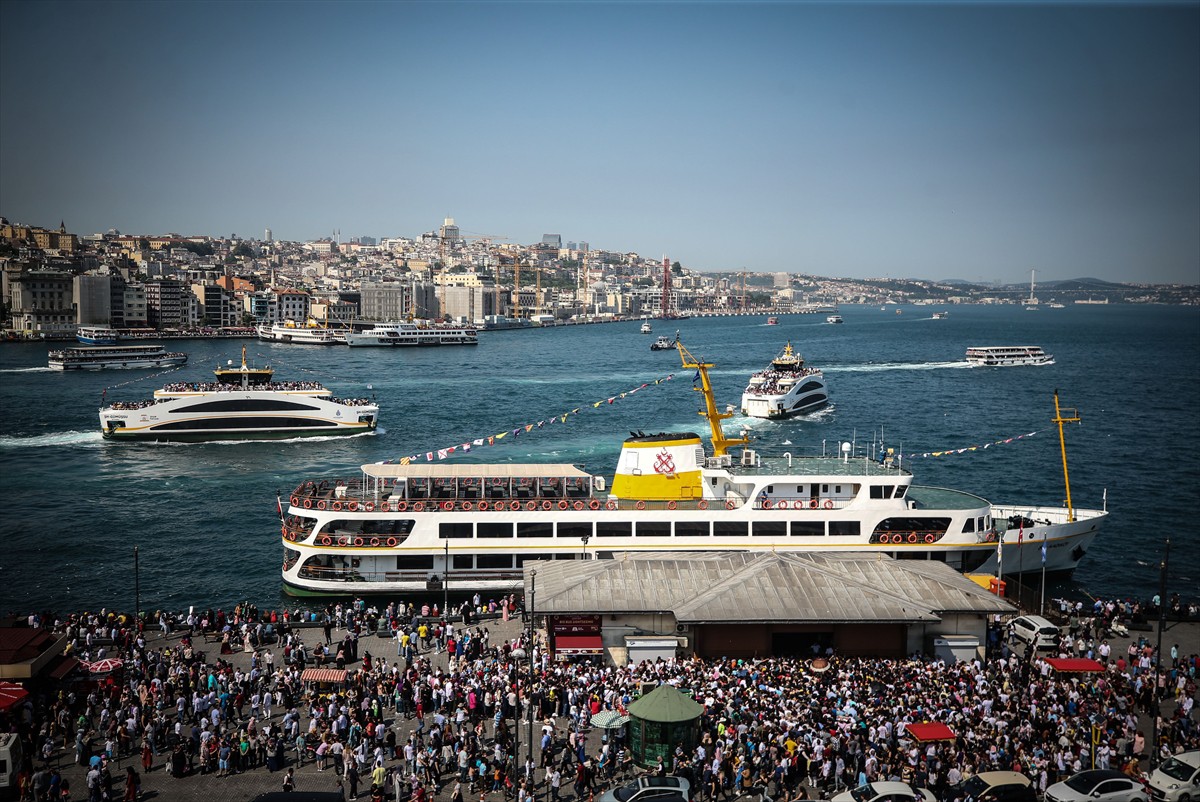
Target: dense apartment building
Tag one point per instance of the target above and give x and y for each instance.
(168, 304)
(216, 305)
(41, 302)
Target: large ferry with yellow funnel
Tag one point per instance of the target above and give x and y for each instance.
(417, 527)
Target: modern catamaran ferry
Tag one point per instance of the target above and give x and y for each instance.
(413, 527)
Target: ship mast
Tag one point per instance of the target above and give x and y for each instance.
(720, 443)
(1062, 444)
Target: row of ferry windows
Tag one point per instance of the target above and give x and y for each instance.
(877, 491)
(465, 562)
(649, 529)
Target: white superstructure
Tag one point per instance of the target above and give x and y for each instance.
(98, 357)
(290, 332)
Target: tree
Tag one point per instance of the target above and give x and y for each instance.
(243, 249)
(199, 248)
(677, 269)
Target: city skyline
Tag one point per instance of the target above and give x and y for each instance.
(860, 140)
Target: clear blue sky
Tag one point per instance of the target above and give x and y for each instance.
(940, 141)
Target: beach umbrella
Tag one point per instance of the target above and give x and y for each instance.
(11, 694)
(105, 666)
(609, 720)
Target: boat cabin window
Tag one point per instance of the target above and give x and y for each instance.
(729, 528)
(837, 489)
(824, 488)
(575, 530)
(414, 562)
(358, 526)
(841, 528)
(901, 490)
(809, 386)
(455, 530)
(877, 491)
(770, 528)
(808, 528)
(653, 529)
(463, 562)
(770, 489)
(920, 525)
(493, 561)
(528, 558)
(491, 529)
(969, 526)
(535, 529)
(565, 556)
(691, 529)
(614, 529)
(983, 524)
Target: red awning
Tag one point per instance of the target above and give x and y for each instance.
(11, 694)
(323, 675)
(1076, 665)
(568, 645)
(62, 666)
(930, 731)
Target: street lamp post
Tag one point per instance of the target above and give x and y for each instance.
(585, 539)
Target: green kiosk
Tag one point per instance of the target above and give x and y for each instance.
(660, 721)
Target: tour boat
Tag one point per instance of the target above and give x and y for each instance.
(646, 328)
(664, 343)
(96, 335)
(290, 332)
(417, 526)
(784, 388)
(1007, 355)
(940, 315)
(412, 334)
(244, 403)
(834, 319)
(97, 357)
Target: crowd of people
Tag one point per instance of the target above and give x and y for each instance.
(438, 708)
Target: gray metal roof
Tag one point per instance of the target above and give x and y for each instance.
(731, 587)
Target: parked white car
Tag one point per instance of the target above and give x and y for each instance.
(1099, 785)
(1177, 779)
(885, 792)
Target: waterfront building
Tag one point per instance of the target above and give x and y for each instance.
(94, 297)
(42, 302)
(386, 300)
(168, 304)
(291, 305)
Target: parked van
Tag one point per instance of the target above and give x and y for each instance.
(10, 763)
(1027, 629)
(1177, 779)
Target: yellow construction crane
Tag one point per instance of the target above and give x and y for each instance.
(721, 444)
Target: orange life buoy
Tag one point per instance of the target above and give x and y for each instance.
(369, 507)
(283, 530)
(766, 504)
(358, 541)
(891, 538)
(337, 506)
(418, 506)
(352, 506)
(325, 540)
(829, 504)
(343, 541)
(562, 505)
(531, 505)
(483, 506)
(594, 504)
(308, 504)
(730, 504)
(702, 504)
(671, 505)
(610, 505)
(912, 537)
(295, 500)
(781, 505)
(546, 505)
(468, 506)
(578, 505)
(812, 505)
(401, 506)
(515, 505)
(447, 505)
(374, 541)
(929, 538)
(641, 505)
(391, 541)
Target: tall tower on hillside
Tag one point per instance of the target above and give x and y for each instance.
(267, 236)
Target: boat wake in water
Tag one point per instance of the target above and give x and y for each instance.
(874, 368)
(27, 370)
(53, 440)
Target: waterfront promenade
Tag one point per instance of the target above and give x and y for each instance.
(158, 784)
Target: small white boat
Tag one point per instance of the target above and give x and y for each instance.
(785, 388)
(96, 335)
(940, 315)
(664, 343)
(98, 357)
(834, 319)
(646, 328)
(772, 321)
(996, 356)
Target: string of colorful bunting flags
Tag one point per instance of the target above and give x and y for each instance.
(951, 451)
(491, 440)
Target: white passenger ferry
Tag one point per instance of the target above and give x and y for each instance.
(291, 332)
(1006, 355)
(412, 334)
(785, 388)
(98, 357)
(411, 527)
(242, 404)
(96, 335)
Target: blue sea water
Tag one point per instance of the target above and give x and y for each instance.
(204, 515)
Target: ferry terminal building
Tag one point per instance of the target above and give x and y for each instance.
(747, 605)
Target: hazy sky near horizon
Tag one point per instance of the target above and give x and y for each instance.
(973, 141)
